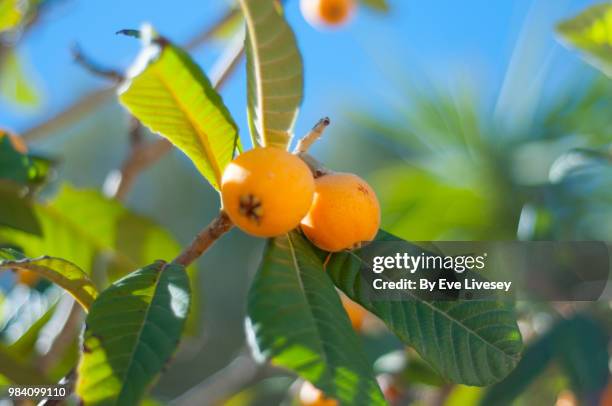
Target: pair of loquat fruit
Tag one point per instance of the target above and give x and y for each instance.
(268, 192)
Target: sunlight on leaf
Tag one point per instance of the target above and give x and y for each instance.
(16, 85)
(471, 342)
(310, 333)
(274, 73)
(63, 273)
(170, 94)
(132, 330)
(11, 13)
(591, 32)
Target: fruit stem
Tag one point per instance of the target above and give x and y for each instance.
(205, 238)
(310, 138)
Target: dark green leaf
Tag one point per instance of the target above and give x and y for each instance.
(297, 322)
(274, 73)
(579, 344)
(16, 210)
(131, 332)
(169, 93)
(471, 342)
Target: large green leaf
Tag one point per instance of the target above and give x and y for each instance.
(591, 32)
(169, 93)
(274, 73)
(78, 224)
(297, 322)
(63, 273)
(471, 342)
(132, 330)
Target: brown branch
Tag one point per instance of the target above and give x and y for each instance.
(205, 238)
(94, 99)
(93, 67)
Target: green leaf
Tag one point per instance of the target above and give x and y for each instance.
(591, 32)
(24, 346)
(16, 85)
(79, 224)
(377, 5)
(17, 166)
(471, 342)
(297, 322)
(11, 14)
(19, 372)
(63, 273)
(580, 346)
(132, 330)
(170, 94)
(274, 73)
(14, 162)
(16, 210)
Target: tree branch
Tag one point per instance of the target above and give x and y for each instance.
(94, 99)
(205, 238)
(241, 372)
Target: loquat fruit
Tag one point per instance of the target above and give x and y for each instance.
(344, 212)
(17, 142)
(356, 313)
(311, 396)
(327, 12)
(267, 191)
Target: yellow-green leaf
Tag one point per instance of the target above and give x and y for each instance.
(169, 93)
(16, 85)
(591, 32)
(11, 14)
(274, 73)
(63, 273)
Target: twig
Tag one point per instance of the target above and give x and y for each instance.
(205, 238)
(93, 67)
(317, 131)
(241, 372)
(96, 98)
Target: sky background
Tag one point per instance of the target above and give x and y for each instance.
(431, 41)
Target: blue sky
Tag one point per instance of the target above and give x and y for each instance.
(438, 40)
